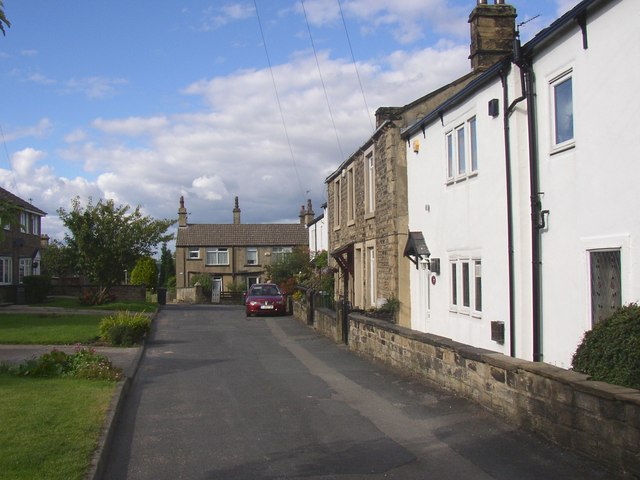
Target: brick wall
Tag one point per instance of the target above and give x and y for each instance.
(593, 418)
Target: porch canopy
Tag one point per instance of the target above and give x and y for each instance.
(416, 248)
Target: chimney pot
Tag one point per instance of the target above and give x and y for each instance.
(482, 2)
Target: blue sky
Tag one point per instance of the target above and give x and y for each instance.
(146, 101)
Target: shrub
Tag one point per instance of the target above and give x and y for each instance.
(36, 288)
(205, 282)
(84, 363)
(610, 352)
(145, 273)
(124, 329)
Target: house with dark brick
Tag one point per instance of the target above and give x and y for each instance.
(233, 253)
(19, 246)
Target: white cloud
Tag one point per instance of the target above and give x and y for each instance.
(131, 126)
(39, 130)
(94, 87)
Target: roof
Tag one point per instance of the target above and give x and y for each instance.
(7, 196)
(247, 235)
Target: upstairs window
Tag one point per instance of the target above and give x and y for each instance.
(194, 253)
(337, 203)
(217, 256)
(562, 97)
(370, 182)
(279, 254)
(252, 256)
(462, 150)
(351, 197)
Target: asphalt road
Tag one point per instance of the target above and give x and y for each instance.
(218, 396)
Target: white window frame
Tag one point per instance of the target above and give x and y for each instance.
(337, 203)
(249, 253)
(6, 271)
(465, 285)
(558, 146)
(25, 268)
(351, 196)
(461, 150)
(193, 254)
(279, 254)
(370, 182)
(372, 275)
(24, 222)
(35, 224)
(219, 255)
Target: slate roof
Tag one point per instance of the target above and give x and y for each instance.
(14, 199)
(243, 235)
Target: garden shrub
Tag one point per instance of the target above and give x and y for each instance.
(84, 363)
(610, 352)
(124, 329)
(205, 282)
(145, 273)
(36, 288)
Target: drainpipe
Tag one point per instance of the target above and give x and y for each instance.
(537, 215)
(507, 110)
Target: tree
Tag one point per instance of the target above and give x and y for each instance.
(58, 260)
(3, 19)
(145, 273)
(105, 239)
(9, 212)
(295, 268)
(167, 266)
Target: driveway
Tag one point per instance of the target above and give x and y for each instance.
(218, 396)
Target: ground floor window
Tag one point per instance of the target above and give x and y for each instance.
(26, 269)
(606, 284)
(5, 270)
(465, 285)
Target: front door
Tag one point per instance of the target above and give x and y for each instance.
(216, 288)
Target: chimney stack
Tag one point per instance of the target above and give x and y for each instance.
(309, 215)
(302, 215)
(236, 213)
(182, 214)
(493, 29)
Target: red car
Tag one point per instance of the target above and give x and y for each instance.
(265, 298)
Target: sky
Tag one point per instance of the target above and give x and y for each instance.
(146, 101)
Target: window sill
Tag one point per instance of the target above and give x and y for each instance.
(562, 148)
(370, 215)
(336, 229)
(351, 223)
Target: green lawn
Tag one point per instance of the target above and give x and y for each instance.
(50, 426)
(73, 303)
(48, 329)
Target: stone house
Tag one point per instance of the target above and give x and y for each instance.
(20, 246)
(233, 253)
(367, 193)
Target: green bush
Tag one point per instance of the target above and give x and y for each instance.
(84, 363)
(205, 282)
(611, 351)
(125, 329)
(145, 273)
(36, 288)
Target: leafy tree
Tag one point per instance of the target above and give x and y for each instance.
(3, 19)
(293, 269)
(105, 239)
(58, 260)
(9, 212)
(145, 272)
(167, 266)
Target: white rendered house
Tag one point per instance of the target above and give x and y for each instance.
(535, 240)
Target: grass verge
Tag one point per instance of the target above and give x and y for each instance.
(74, 303)
(50, 426)
(48, 329)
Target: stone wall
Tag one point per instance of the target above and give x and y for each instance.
(325, 320)
(599, 420)
(191, 295)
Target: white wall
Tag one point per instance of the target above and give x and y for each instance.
(465, 219)
(591, 189)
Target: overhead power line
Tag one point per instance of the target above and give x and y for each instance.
(275, 88)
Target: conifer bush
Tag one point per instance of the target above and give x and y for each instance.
(611, 351)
